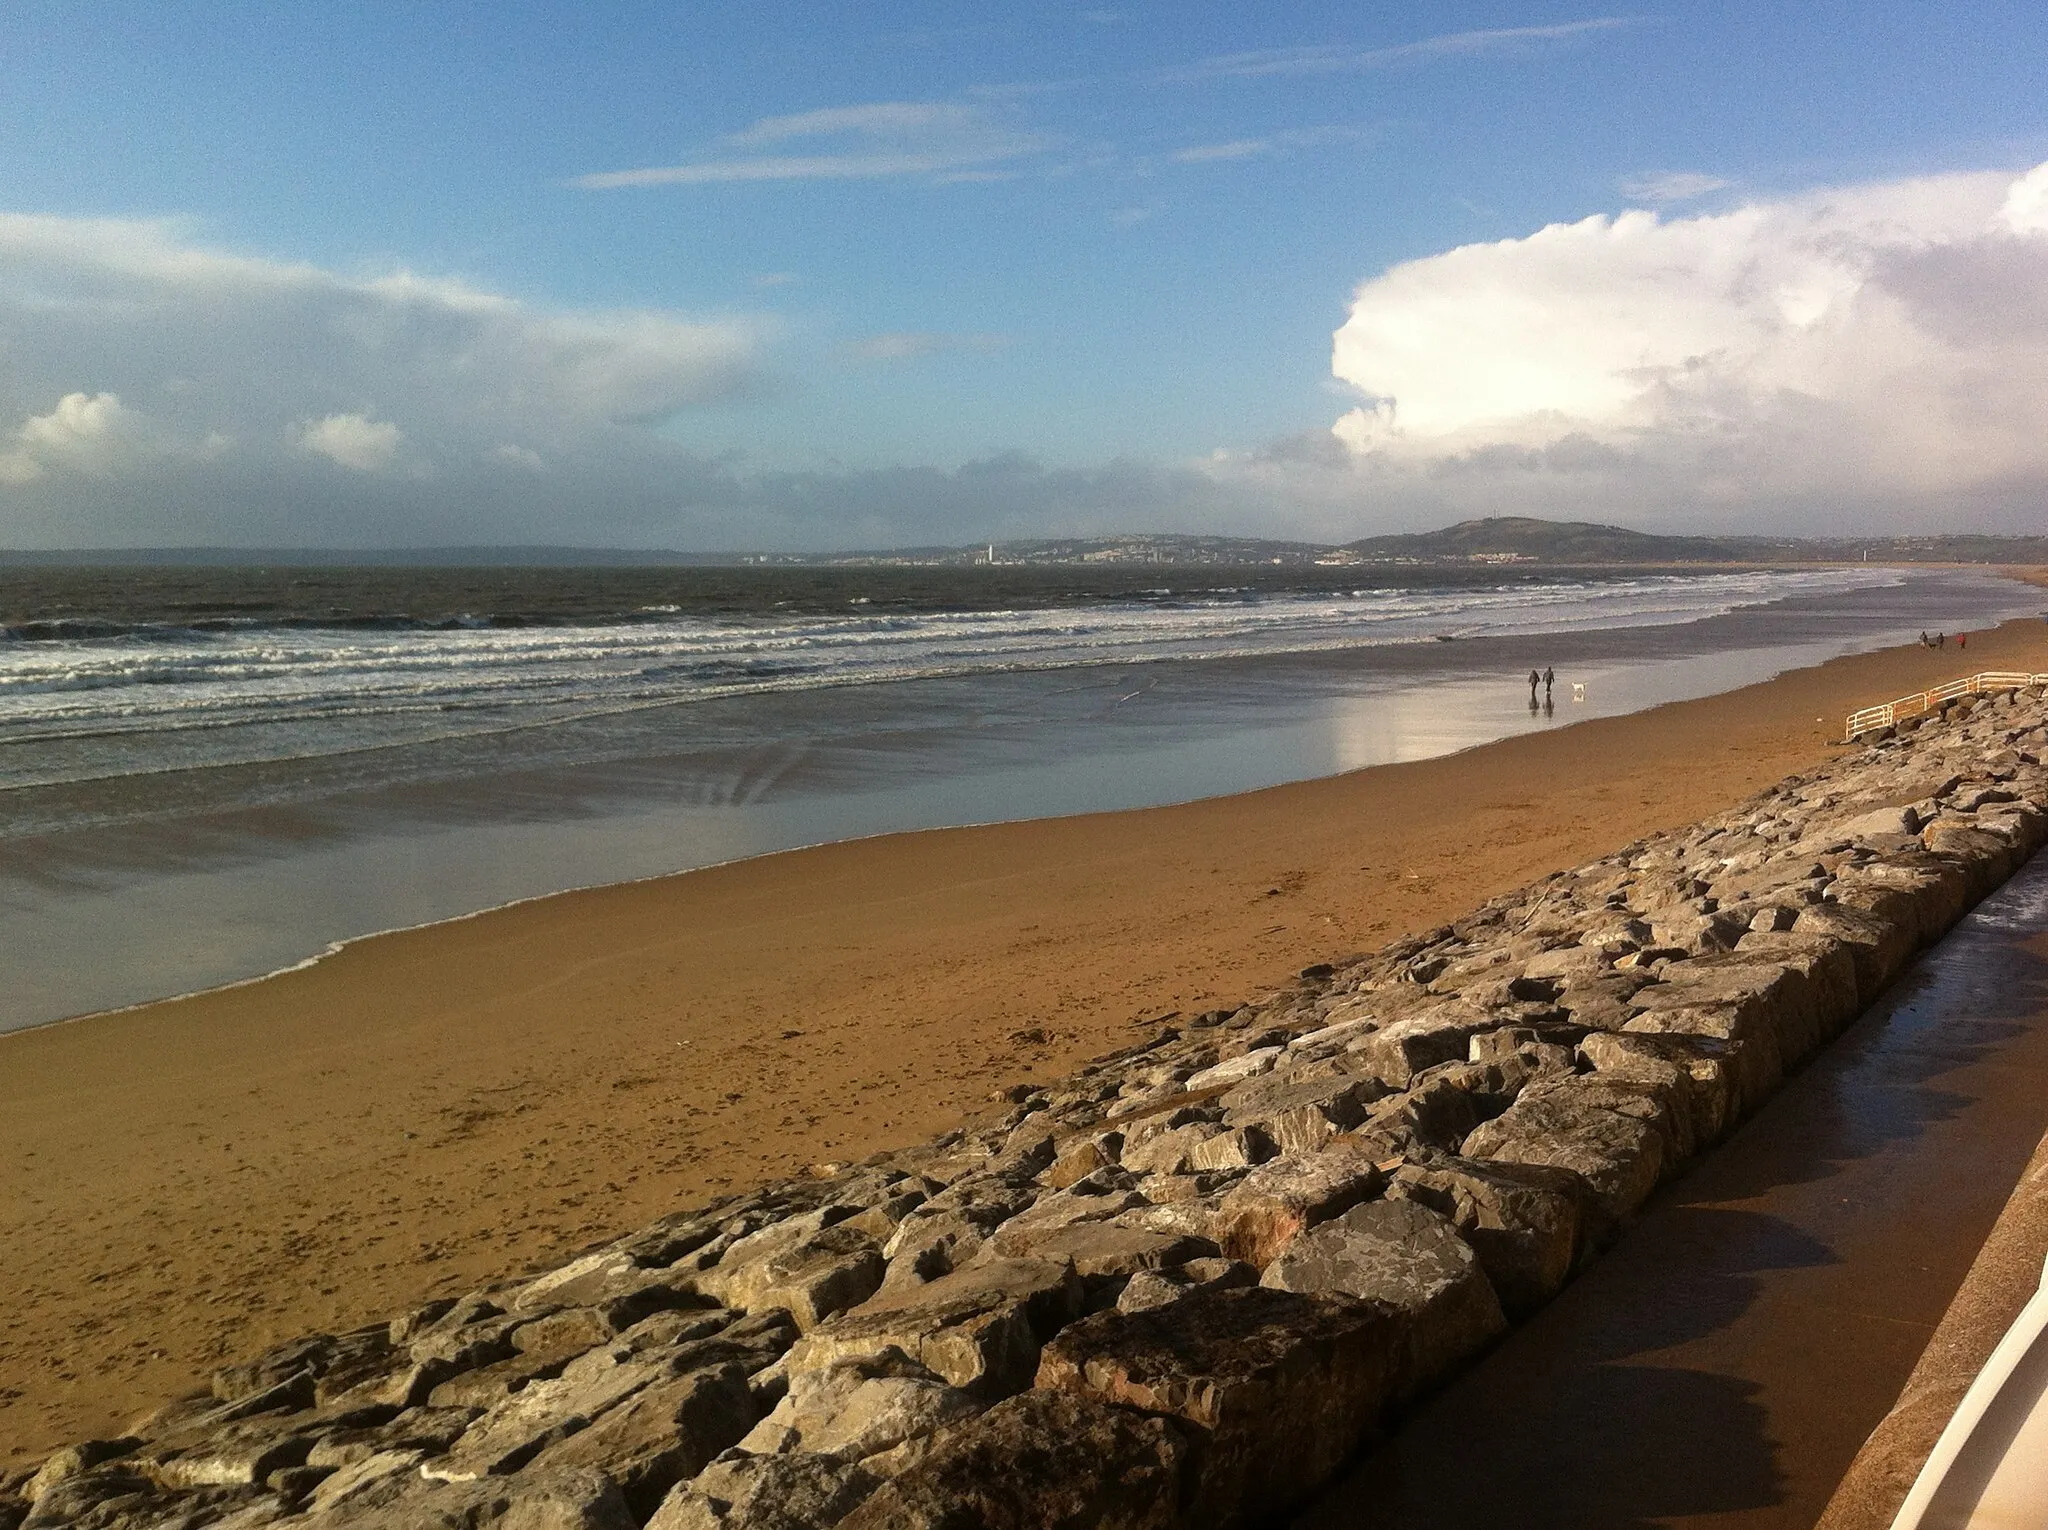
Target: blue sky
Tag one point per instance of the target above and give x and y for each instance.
(775, 276)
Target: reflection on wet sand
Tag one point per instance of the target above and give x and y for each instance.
(118, 892)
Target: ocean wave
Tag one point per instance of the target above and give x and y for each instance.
(90, 683)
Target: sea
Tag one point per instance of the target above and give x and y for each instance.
(209, 774)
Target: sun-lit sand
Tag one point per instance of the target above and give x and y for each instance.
(194, 1179)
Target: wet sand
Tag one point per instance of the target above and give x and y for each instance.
(195, 1179)
(121, 889)
(1721, 1366)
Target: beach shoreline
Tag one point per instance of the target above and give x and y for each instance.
(427, 1108)
(125, 890)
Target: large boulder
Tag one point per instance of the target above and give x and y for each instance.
(610, 1282)
(536, 1357)
(74, 1461)
(1433, 1112)
(118, 1498)
(1395, 1053)
(1298, 1115)
(1825, 965)
(2021, 825)
(331, 1363)
(930, 1244)
(663, 1433)
(1276, 1389)
(801, 1491)
(1923, 892)
(509, 1434)
(382, 1474)
(1761, 997)
(1097, 1198)
(880, 1411)
(980, 1328)
(1155, 1288)
(1755, 1058)
(1232, 1148)
(811, 1276)
(1273, 1204)
(1405, 1258)
(1523, 1221)
(1249, 1064)
(1600, 1001)
(1619, 1155)
(1106, 1255)
(837, 1268)
(1880, 825)
(429, 1431)
(1168, 1152)
(950, 1228)
(536, 1500)
(1080, 1159)
(751, 1343)
(1985, 859)
(240, 1452)
(582, 1282)
(1696, 1072)
(465, 1339)
(1042, 1461)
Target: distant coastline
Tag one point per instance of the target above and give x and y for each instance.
(1495, 540)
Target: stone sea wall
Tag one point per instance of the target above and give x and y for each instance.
(1178, 1289)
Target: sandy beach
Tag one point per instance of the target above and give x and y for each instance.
(193, 1179)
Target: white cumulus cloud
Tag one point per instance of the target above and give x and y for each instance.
(353, 441)
(519, 456)
(87, 433)
(1884, 344)
(208, 394)
(187, 330)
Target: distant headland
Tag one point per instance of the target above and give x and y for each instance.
(1507, 539)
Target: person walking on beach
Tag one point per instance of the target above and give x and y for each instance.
(1941, 640)
(1534, 681)
(1962, 640)
(1549, 679)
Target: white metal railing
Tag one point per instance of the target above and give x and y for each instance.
(1990, 1466)
(1871, 718)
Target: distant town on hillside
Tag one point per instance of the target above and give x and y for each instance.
(1496, 540)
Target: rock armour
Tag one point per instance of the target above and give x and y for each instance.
(1177, 1289)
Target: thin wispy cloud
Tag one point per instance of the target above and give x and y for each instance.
(1237, 148)
(1271, 143)
(941, 140)
(1334, 58)
(875, 119)
(1672, 186)
(908, 345)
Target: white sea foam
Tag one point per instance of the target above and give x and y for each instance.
(309, 691)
